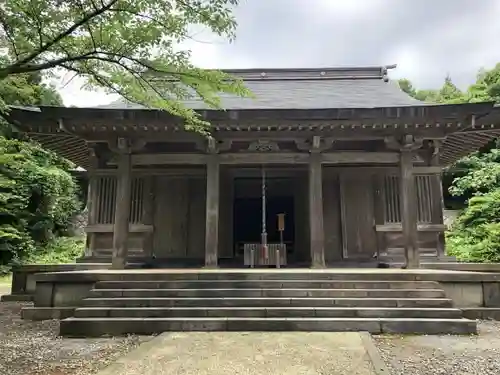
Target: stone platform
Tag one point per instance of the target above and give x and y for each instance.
(145, 301)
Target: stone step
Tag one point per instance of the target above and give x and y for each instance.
(269, 312)
(265, 302)
(17, 298)
(270, 284)
(94, 327)
(208, 275)
(482, 313)
(246, 292)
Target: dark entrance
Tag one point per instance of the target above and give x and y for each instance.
(247, 216)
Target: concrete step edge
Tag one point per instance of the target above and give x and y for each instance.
(288, 311)
(450, 309)
(265, 289)
(253, 319)
(215, 281)
(263, 298)
(95, 327)
(483, 313)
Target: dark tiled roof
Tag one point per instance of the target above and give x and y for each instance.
(308, 89)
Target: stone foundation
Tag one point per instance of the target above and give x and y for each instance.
(24, 277)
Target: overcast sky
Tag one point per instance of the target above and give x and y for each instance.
(427, 39)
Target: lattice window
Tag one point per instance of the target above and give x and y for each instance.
(392, 206)
(105, 199)
(136, 208)
(392, 210)
(424, 198)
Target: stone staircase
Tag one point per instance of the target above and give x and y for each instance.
(265, 301)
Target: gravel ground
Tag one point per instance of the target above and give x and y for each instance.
(33, 348)
(434, 355)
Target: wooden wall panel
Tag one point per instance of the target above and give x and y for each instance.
(171, 217)
(103, 245)
(331, 214)
(426, 240)
(148, 212)
(197, 218)
(226, 201)
(357, 208)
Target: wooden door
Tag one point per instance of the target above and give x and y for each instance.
(171, 217)
(359, 239)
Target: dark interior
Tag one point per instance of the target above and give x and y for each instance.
(248, 221)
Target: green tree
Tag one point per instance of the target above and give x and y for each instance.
(448, 93)
(38, 196)
(129, 47)
(407, 87)
(28, 89)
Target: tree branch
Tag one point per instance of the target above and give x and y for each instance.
(46, 65)
(61, 36)
(8, 34)
(146, 17)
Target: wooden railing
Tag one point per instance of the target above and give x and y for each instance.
(254, 254)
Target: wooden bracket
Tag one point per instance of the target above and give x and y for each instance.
(93, 158)
(436, 145)
(315, 145)
(122, 145)
(214, 146)
(406, 143)
(64, 129)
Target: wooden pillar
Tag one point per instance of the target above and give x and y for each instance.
(91, 213)
(316, 211)
(437, 199)
(122, 209)
(212, 212)
(92, 194)
(409, 208)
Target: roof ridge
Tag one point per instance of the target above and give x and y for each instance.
(354, 72)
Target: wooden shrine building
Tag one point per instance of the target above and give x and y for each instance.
(352, 162)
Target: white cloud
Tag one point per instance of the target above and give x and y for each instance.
(74, 95)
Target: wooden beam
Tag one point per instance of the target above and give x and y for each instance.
(109, 228)
(360, 157)
(340, 157)
(317, 244)
(181, 172)
(212, 211)
(387, 170)
(159, 159)
(396, 227)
